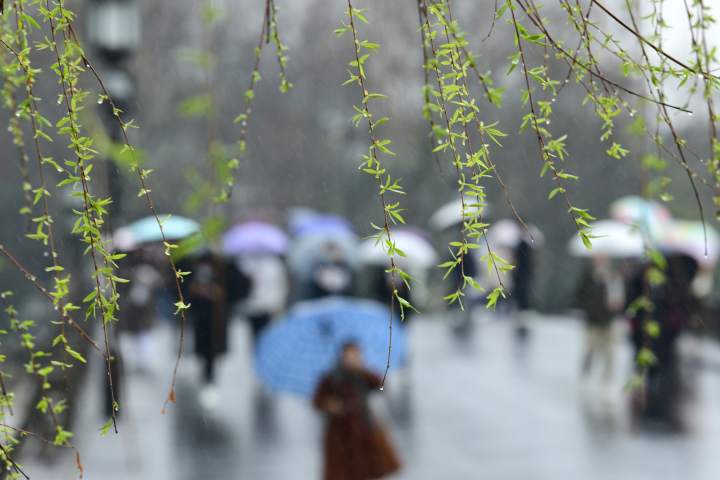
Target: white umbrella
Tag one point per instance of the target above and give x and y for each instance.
(418, 251)
(508, 233)
(611, 238)
(452, 212)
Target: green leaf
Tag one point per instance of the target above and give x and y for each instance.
(106, 427)
(76, 355)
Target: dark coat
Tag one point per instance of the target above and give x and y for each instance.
(138, 296)
(382, 288)
(673, 306)
(341, 268)
(212, 288)
(522, 275)
(591, 298)
(356, 447)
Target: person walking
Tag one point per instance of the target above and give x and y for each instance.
(268, 290)
(671, 304)
(522, 278)
(600, 296)
(674, 307)
(332, 274)
(356, 446)
(211, 289)
(138, 308)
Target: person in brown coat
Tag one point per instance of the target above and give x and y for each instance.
(356, 447)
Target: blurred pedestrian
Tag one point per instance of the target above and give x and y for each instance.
(268, 290)
(332, 274)
(673, 304)
(673, 311)
(383, 285)
(462, 317)
(138, 306)
(212, 289)
(522, 277)
(356, 446)
(601, 296)
(638, 292)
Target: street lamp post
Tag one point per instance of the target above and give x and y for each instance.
(113, 28)
(113, 32)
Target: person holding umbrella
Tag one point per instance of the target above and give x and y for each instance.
(211, 289)
(314, 352)
(259, 248)
(516, 243)
(673, 306)
(332, 274)
(322, 256)
(356, 447)
(418, 258)
(139, 308)
(296, 351)
(268, 290)
(600, 296)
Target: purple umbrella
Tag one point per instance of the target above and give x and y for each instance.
(255, 237)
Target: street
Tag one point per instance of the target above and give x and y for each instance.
(472, 406)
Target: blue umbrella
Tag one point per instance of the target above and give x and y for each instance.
(255, 237)
(293, 354)
(321, 224)
(146, 230)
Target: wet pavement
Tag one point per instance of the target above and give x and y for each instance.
(476, 405)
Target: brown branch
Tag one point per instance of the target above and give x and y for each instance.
(668, 121)
(67, 95)
(5, 394)
(647, 42)
(44, 291)
(12, 462)
(573, 61)
(465, 86)
(544, 158)
(491, 162)
(373, 153)
(151, 206)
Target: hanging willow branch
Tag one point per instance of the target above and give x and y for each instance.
(374, 166)
(458, 123)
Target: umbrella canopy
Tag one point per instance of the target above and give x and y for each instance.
(293, 354)
(610, 238)
(649, 215)
(452, 212)
(307, 250)
(297, 216)
(688, 237)
(255, 237)
(320, 224)
(508, 233)
(146, 230)
(418, 251)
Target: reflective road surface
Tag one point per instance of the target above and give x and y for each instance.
(471, 405)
